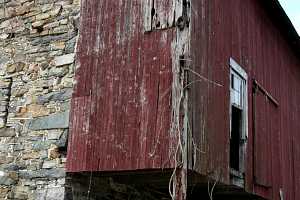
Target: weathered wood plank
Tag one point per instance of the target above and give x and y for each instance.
(122, 99)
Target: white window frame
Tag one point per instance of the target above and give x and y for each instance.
(237, 177)
(235, 68)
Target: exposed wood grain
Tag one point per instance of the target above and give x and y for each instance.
(245, 31)
(121, 111)
(122, 103)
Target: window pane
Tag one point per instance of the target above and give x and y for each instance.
(236, 98)
(237, 86)
(237, 83)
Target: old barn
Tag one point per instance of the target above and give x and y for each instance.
(204, 93)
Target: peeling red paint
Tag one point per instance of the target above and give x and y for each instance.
(121, 105)
(121, 108)
(245, 31)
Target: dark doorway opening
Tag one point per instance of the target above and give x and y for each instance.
(236, 127)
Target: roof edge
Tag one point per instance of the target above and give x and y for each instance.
(285, 25)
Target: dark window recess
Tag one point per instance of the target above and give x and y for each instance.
(236, 128)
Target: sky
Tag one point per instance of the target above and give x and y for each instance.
(292, 8)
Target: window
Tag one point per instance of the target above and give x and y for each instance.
(159, 15)
(238, 119)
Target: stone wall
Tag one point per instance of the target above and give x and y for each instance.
(37, 42)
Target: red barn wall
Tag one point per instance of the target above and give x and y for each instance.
(243, 30)
(121, 107)
(121, 110)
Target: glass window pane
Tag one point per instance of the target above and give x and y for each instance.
(236, 98)
(237, 83)
(237, 87)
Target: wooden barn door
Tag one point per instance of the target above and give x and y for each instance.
(266, 140)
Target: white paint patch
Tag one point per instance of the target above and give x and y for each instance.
(2, 173)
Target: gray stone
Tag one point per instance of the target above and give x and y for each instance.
(64, 106)
(43, 173)
(20, 193)
(19, 147)
(64, 60)
(5, 180)
(3, 60)
(54, 134)
(4, 148)
(56, 193)
(58, 71)
(40, 194)
(34, 98)
(54, 121)
(68, 82)
(35, 138)
(2, 123)
(5, 91)
(52, 38)
(5, 84)
(3, 103)
(48, 164)
(15, 67)
(41, 145)
(12, 109)
(7, 132)
(3, 96)
(70, 45)
(4, 159)
(63, 140)
(18, 92)
(43, 154)
(3, 108)
(76, 22)
(55, 96)
(14, 167)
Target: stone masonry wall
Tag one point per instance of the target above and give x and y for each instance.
(37, 42)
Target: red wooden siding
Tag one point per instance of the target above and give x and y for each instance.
(243, 30)
(209, 113)
(121, 107)
(262, 140)
(266, 140)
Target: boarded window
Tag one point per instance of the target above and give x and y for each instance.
(160, 14)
